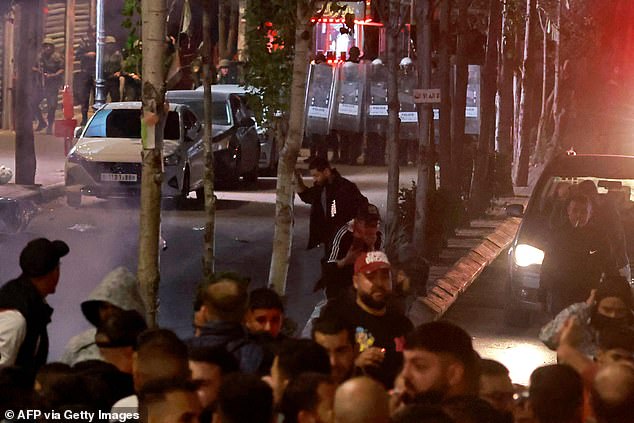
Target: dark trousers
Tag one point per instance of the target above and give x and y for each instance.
(84, 86)
(50, 93)
(112, 88)
(318, 146)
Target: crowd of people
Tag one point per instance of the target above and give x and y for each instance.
(359, 358)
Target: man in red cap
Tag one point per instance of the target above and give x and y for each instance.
(379, 329)
(24, 312)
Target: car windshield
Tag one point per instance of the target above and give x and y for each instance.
(126, 123)
(612, 176)
(220, 111)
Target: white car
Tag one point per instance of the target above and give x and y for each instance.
(106, 160)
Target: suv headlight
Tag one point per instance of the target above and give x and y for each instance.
(525, 255)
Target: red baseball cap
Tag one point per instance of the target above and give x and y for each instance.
(371, 261)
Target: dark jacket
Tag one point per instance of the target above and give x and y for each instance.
(235, 339)
(342, 200)
(20, 294)
(574, 259)
(334, 279)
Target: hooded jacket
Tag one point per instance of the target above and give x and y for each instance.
(119, 288)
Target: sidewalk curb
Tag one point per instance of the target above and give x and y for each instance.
(445, 290)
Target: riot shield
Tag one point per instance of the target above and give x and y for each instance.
(408, 113)
(318, 99)
(348, 106)
(376, 99)
(472, 109)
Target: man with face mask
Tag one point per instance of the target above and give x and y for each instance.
(379, 329)
(577, 253)
(609, 307)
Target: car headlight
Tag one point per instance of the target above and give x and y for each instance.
(525, 255)
(220, 145)
(171, 160)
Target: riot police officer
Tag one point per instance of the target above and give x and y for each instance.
(51, 70)
(85, 79)
(112, 66)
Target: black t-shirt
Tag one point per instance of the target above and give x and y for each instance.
(387, 331)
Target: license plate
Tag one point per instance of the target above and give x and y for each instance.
(119, 177)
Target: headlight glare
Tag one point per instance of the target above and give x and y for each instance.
(525, 255)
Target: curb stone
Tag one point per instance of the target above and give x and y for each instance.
(443, 291)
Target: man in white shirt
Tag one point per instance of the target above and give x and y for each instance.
(24, 312)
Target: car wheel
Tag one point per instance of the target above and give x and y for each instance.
(73, 199)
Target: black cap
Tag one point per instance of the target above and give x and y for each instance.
(40, 256)
(368, 213)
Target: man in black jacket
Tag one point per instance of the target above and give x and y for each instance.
(24, 312)
(333, 200)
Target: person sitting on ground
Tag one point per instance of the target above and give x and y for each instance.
(556, 394)
(294, 357)
(265, 313)
(118, 290)
(361, 400)
(244, 398)
(159, 354)
(337, 338)
(379, 330)
(117, 336)
(309, 398)
(224, 303)
(209, 365)
(609, 305)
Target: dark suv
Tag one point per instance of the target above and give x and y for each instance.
(614, 178)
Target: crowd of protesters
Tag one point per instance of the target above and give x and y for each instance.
(359, 359)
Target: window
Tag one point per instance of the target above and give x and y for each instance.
(126, 123)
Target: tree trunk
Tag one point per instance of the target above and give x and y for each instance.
(209, 238)
(460, 98)
(232, 36)
(444, 124)
(504, 119)
(224, 8)
(426, 171)
(29, 37)
(285, 192)
(520, 175)
(481, 191)
(153, 15)
(540, 145)
(555, 142)
(393, 123)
